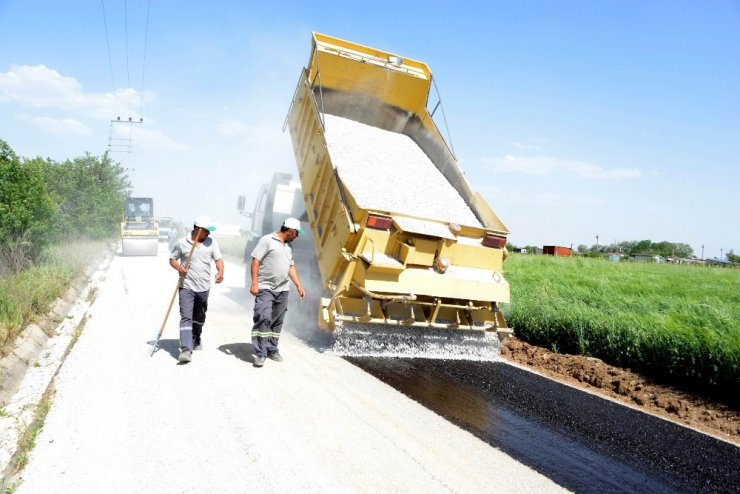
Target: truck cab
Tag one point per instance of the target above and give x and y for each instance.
(167, 229)
(278, 200)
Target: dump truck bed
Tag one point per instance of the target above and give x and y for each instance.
(388, 171)
(400, 236)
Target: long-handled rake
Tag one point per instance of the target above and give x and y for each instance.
(155, 342)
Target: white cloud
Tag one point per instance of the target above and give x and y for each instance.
(42, 88)
(60, 126)
(38, 86)
(135, 135)
(544, 165)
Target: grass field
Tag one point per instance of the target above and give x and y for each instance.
(678, 323)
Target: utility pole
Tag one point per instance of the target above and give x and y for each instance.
(597, 242)
(702, 252)
(119, 144)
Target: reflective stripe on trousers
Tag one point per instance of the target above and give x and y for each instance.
(193, 307)
(269, 311)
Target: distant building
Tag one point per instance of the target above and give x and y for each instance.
(685, 260)
(614, 257)
(714, 261)
(647, 257)
(556, 250)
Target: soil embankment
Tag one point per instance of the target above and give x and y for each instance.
(628, 387)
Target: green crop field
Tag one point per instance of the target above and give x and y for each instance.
(678, 323)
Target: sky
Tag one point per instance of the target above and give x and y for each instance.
(574, 119)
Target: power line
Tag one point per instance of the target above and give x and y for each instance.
(125, 144)
(143, 64)
(128, 72)
(107, 43)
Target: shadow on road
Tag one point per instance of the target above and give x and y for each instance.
(242, 351)
(170, 346)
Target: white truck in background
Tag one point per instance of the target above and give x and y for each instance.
(167, 229)
(278, 200)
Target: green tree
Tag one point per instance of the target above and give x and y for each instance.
(26, 207)
(641, 247)
(664, 249)
(89, 191)
(683, 250)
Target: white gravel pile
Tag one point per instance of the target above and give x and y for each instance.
(388, 171)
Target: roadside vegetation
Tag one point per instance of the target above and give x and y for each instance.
(27, 440)
(27, 295)
(677, 323)
(55, 219)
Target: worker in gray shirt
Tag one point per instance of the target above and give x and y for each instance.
(195, 282)
(272, 268)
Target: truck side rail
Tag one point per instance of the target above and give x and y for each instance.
(326, 203)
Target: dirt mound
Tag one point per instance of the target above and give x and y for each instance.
(629, 387)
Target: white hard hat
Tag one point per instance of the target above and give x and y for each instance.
(204, 222)
(293, 224)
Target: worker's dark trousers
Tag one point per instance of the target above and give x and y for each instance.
(193, 307)
(269, 312)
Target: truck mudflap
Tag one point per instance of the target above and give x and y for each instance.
(139, 246)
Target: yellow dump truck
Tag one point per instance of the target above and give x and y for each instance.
(401, 239)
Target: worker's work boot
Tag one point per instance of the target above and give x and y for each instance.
(275, 356)
(259, 361)
(197, 346)
(185, 355)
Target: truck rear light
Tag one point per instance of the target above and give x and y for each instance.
(494, 241)
(379, 222)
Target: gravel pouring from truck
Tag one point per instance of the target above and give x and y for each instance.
(401, 238)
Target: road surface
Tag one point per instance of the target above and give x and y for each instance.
(122, 421)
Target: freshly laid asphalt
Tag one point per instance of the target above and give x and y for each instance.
(581, 441)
